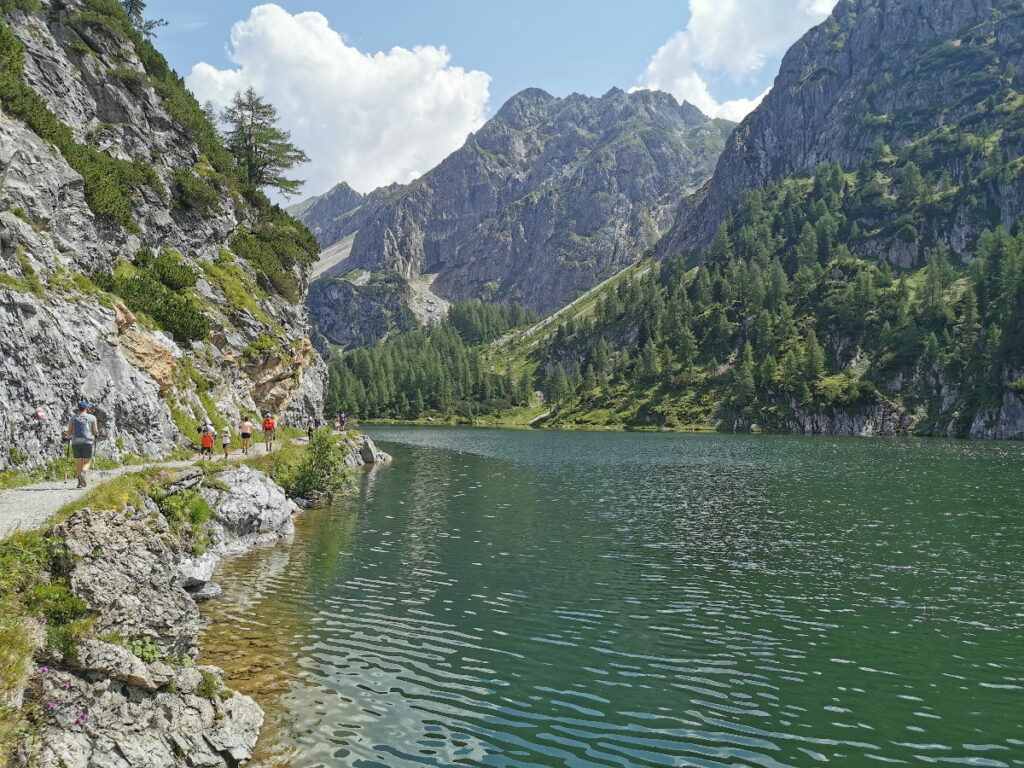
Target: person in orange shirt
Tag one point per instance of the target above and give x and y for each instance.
(269, 428)
(206, 441)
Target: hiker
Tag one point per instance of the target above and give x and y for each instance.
(310, 429)
(343, 422)
(269, 427)
(245, 429)
(82, 432)
(225, 439)
(206, 440)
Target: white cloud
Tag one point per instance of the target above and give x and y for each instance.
(730, 37)
(368, 119)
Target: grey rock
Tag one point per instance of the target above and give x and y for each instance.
(370, 453)
(126, 570)
(61, 342)
(208, 591)
(871, 58)
(547, 199)
(112, 661)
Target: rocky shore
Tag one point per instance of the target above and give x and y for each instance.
(128, 690)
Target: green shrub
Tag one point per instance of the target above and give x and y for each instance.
(171, 270)
(275, 248)
(323, 467)
(144, 648)
(193, 193)
(262, 348)
(188, 509)
(208, 687)
(1017, 387)
(175, 312)
(28, 6)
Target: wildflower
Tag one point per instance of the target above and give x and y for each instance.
(45, 670)
(80, 720)
(66, 686)
(50, 705)
(43, 619)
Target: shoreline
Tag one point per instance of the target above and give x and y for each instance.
(110, 669)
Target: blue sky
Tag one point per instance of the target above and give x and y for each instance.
(377, 92)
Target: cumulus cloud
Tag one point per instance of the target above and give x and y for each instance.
(368, 119)
(733, 38)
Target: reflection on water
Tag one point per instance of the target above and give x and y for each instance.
(545, 599)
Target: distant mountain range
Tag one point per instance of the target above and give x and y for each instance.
(548, 198)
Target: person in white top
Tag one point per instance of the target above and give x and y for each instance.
(225, 439)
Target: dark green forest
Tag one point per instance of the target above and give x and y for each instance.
(440, 370)
(779, 319)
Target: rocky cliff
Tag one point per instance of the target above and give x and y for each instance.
(136, 271)
(923, 81)
(547, 199)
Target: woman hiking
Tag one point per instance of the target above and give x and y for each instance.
(245, 430)
(82, 432)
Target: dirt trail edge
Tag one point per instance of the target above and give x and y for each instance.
(29, 507)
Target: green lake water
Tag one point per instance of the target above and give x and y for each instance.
(520, 598)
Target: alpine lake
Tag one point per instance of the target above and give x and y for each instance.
(525, 598)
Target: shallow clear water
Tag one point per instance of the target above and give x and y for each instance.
(517, 598)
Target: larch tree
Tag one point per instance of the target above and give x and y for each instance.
(263, 151)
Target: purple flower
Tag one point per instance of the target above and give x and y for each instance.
(66, 686)
(43, 619)
(45, 670)
(50, 705)
(80, 720)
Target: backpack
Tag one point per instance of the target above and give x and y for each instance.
(81, 429)
(268, 425)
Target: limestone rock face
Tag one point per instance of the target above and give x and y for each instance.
(54, 351)
(548, 198)
(876, 71)
(126, 728)
(125, 567)
(61, 338)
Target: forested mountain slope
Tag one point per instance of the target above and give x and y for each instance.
(547, 199)
(138, 271)
(879, 293)
(933, 84)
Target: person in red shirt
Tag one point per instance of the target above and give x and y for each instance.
(206, 441)
(269, 428)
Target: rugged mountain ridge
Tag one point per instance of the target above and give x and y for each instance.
(548, 198)
(902, 78)
(135, 270)
(855, 266)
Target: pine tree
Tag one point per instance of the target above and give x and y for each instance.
(136, 10)
(263, 151)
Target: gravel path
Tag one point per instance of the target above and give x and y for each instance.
(30, 506)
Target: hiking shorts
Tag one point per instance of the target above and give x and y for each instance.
(83, 451)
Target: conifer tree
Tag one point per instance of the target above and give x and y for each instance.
(262, 151)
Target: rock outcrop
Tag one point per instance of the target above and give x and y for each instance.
(62, 335)
(547, 199)
(130, 694)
